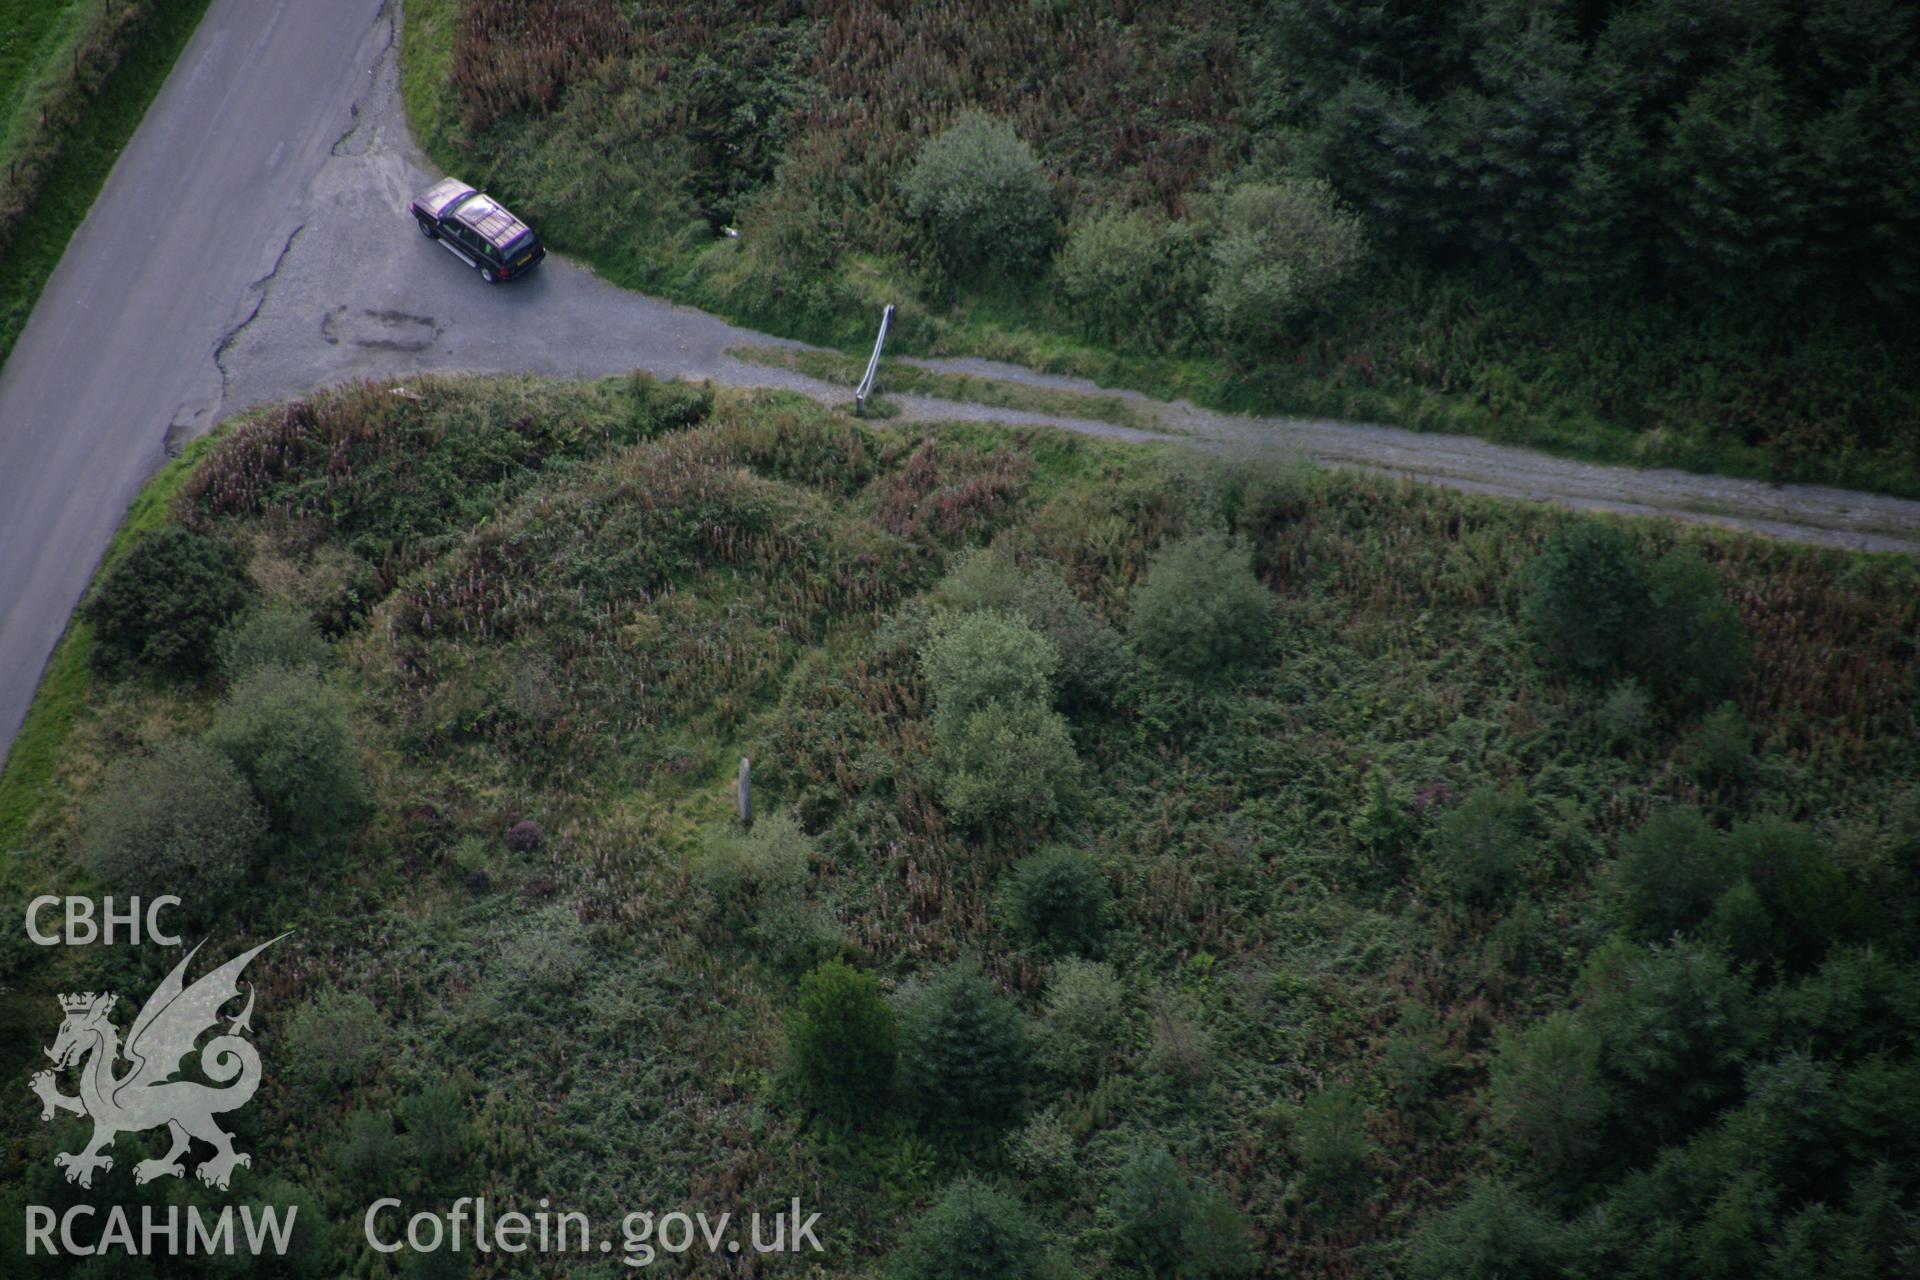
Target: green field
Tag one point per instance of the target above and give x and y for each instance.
(1376, 945)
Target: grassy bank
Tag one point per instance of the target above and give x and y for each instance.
(554, 616)
(86, 140)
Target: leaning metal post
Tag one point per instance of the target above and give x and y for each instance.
(865, 389)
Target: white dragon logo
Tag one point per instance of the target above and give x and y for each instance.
(147, 1096)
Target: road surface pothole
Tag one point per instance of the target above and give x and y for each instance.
(379, 330)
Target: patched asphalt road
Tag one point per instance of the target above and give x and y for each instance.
(253, 243)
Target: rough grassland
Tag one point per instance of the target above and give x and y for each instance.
(580, 605)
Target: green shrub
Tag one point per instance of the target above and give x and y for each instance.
(332, 1041)
(1084, 1013)
(438, 1132)
(289, 734)
(161, 606)
(1200, 611)
(436, 1264)
(1009, 760)
(1387, 825)
(1330, 1137)
(774, 859)
(1695, 647)
(841, 1041)
(1180, 1048)
(1808, 901)
(366, 1151)
(1729, 1240)
(1416, 1061)
(1057, 902)
(1246, 491)
(1281, 251)
(980, 660)
(654, 406)
(1720, 749)
(1883, 858)
(1494, 1234)
(963, 1053)
(1675, 1022)
(1107, 269)
(1091, 659)
(1550, 1097)
(1741, 923)
(1046, 1151)
(1169, 1227)
(1130, 278)
(272, 636)
(1481, 847)
(1793, 1112)
(181, 821)
(1218, 1239)
(796, 933)
(1586, 600)
(1625, 715)
(972, 1232)
(1010, 768)
(311, 1237)
(1668, 875)
(1858, 1003)
(984, 193)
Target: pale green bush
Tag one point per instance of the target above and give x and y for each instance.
(1281, 252)
(1201, 612)
(332, 1041)
(1010, 767)
(1091, 657)
(1131, 278)
(182, 821)
(1085, 1008)
(977, 660)
(983, 191)
(289, 734)
(272, 636)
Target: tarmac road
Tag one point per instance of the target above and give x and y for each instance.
(118, 353)
(253, 244)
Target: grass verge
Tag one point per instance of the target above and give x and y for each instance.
(41, 35)
(87, 156)
(903, 378)
(36, 749)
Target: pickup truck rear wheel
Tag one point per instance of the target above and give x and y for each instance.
(486, 274)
